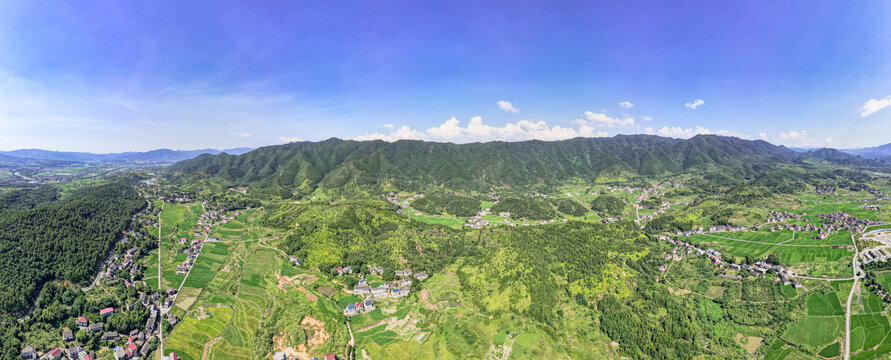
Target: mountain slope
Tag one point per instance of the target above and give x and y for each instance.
(410, 164)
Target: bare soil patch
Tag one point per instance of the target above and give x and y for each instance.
(315, 332)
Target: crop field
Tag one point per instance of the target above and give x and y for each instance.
(242, 291)
(814, 260)
(213, 255)
(820, 304)
(815, 331)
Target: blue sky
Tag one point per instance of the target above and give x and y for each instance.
(115, 76)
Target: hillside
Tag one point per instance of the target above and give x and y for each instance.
(411, 164)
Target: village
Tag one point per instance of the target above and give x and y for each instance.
(759, 268)
(397, 289)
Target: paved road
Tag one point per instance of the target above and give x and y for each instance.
(160, 265)
(854, 288)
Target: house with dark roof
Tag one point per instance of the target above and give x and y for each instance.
(95, 327)
(67, 335)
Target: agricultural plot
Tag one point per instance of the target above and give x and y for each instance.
(245, 291)
(820, 304)
(812, 260)
(815, 331)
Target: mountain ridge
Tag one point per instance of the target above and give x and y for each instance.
(332, 163)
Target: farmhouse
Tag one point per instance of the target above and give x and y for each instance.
(95, 327)
(67, 335)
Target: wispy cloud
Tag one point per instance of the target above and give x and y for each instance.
(873, 106)
(291, 139)
(507, 106)
(695, 104)
(626, 104)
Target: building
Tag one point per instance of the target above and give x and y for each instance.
(95, 327)
(82, 322)
(28, 352)
(421, 276)
(54, 354)
(67, 335)
(120, 353)
(350, 310)
(280, 356)
(107, 311)
(110, 336)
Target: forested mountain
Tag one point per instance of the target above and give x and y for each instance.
(159, 155)
(409, 164)
(43, 240)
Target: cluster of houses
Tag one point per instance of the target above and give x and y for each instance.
(841, 220)
(117, 264)
(281, 355)
(403, 203)
(711, 229)
(477, 221)
(760, 268)
(137, 344)
(396, 289)
(826, 190)
(779, 217)
(359, 308)
(192, 253)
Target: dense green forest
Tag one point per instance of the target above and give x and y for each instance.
(60, 240)
(23, 199)
(608, 205)
(521, 208)
(298, 169)
(447, 203)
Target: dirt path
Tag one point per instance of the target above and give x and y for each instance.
(208, 346)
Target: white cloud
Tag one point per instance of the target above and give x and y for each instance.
(476, 131)
(646, 118)
(794, 135)
(286, 139)
(872, 106)
(507, 106)
(679, 132)
(602, 120)
(247, 135)
(695, 104)
(402, 133)
(388, 126)
(626, 104)
(762, 136)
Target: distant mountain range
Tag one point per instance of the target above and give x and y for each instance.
(875, 152)
(153, 156)
(409, 164)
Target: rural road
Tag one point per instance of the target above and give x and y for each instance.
(850, 297)
(160, 265)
